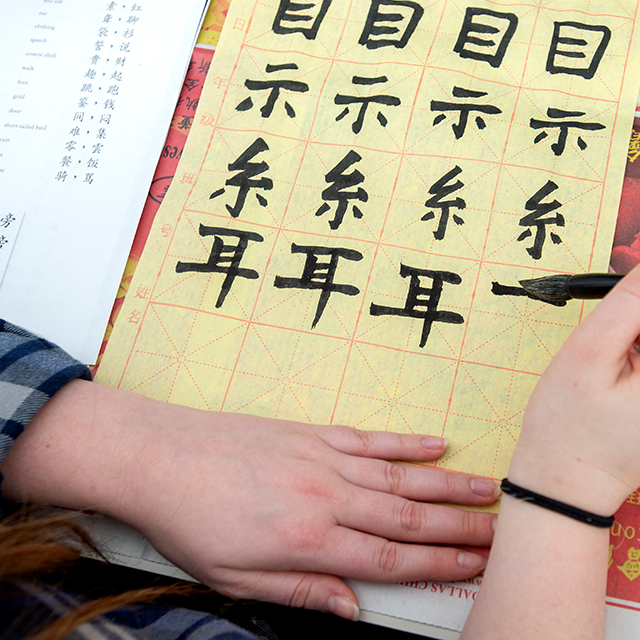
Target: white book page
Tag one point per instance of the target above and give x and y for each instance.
(87, 90)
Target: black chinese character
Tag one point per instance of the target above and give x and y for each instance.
(375, 28)
(245, 179)
(479, 36)
(337, 191)
(391, 101)
(441, 189)
(297, 15)
(422, 302)
(320, 275)
(535, 219)
(274, 86)
(224, 258)
(465, 109)
(573, 35)
(559, 146)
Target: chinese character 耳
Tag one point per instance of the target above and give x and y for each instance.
(422, 302)
(224, 258)
(320, 275)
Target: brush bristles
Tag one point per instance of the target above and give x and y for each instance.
(552, 288)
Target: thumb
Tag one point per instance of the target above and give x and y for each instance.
(316, 591)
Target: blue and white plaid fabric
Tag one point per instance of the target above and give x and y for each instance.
(26, 608)
(32, 369)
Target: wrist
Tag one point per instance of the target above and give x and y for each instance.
(81, 451)
(570, 479)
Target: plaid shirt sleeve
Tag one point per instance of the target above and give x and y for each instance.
(32, 369)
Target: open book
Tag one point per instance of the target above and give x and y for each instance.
(363, 187)
(86, 98)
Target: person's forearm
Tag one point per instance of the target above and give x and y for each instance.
(78, 452)
(546, 578)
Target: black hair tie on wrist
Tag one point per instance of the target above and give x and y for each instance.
(554, 505)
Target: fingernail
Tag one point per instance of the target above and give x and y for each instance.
(432, 443)
(494, 524)
(485, 488)
(343, 607)
(471, 561)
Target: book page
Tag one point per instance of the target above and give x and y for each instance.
(87, 90)
(364, 185)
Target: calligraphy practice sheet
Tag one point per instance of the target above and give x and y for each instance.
(87, 90)
(364, 185)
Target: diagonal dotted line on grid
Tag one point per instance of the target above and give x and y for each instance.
(587, 10)
(502, 418)
(390, 399)
(466, 326)
(287, 380)
(393, 190)
(416, 221)
(262, 280)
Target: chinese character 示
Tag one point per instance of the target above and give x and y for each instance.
(275, 86)
(224, 258)
(364, 102)
(379, 23)
(422, 302)
(320, 275)
(574, 35)
(245, 179)
(336, 191)
(475, 39)
(535, 219)
(298, 17)
(441, 189)
(465, 109)
(556, 114)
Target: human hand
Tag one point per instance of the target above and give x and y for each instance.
(580, 438)
(256, 508)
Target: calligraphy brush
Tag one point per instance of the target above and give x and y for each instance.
(587, 286)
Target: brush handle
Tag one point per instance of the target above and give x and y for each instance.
(592, 286)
